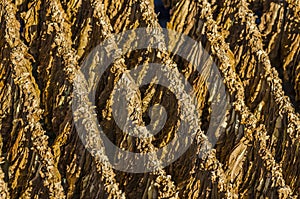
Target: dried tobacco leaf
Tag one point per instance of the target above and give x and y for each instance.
(255, 45)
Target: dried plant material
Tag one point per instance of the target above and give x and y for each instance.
(255, 45)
